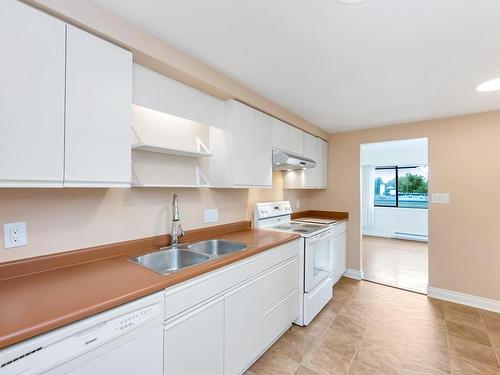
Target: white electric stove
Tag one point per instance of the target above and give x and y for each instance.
(315, 258)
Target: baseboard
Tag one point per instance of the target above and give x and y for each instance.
(353, 274)
(464, 299)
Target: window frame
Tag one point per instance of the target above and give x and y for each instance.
(396, 169)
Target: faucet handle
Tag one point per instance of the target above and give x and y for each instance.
(181, 231)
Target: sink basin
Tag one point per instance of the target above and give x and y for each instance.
(170, 260)
(216, 247)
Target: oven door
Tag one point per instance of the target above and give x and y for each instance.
(318, 259)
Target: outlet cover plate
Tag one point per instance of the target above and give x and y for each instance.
(211, 215)
(14, 235)
(442, 198)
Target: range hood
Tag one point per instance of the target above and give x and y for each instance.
(285, 161)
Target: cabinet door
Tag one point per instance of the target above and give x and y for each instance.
(263, 150)
(296, 140)
(281, 135)
(339, 256)
(194, 342)
(243, 326)
(31, 97)
(311, 152)
(240, 125)
(322, 168)
(156, 91)
(98, 112)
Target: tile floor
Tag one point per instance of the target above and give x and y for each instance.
(374, 329)
(399, 263)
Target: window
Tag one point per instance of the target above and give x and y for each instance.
(385, 187)
(404, 187)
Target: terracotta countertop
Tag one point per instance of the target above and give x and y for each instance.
(32, 304)
(334, 215)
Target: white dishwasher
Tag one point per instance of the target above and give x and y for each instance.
(126, 340)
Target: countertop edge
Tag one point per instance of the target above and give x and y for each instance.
(179, 277)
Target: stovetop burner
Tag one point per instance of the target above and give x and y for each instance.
(299, 227)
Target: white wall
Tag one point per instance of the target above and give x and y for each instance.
(391, 220)
(405, 220)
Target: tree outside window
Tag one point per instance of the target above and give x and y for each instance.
(401, 186)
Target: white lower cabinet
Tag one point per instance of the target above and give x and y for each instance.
(243, 328)
(277, 318)
(194, 340)
(224, 333)
(339, 251)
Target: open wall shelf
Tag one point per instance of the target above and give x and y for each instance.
(148, 147)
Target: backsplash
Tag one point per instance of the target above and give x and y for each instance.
(66, 219)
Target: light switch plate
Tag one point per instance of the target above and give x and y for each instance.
(211, 215)
(14, 235)
(442, 198)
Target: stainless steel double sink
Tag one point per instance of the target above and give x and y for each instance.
(174, 258)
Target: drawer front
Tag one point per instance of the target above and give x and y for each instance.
(315, 300)
(185, 295)
(279, 317)
(280, 281)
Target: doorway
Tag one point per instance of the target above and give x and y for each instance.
(394, 213)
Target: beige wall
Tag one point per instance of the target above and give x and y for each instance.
(66, 219)
(464, 160)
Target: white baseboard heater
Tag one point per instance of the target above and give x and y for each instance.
(410, 236)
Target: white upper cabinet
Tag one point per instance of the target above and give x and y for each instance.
(241, 130)
(242, 151)
(311, 152)
(155, 91)
(263, 149)
(98, 112)
(65, 103)
(281, 134)
(322, 167)
(31, 97)
(296, 141)
(287, 137)
(314, 178)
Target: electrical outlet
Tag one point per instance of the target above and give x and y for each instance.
(14, 235)
(443, 198)
(297, 204)
(211, 215)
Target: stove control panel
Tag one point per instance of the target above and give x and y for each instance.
(273, 209)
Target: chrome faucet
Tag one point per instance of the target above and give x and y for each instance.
(176, 231)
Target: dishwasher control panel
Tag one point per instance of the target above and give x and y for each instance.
(129, 321)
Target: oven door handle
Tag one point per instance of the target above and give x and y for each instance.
(321, 236)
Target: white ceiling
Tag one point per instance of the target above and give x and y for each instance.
(341, 67)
